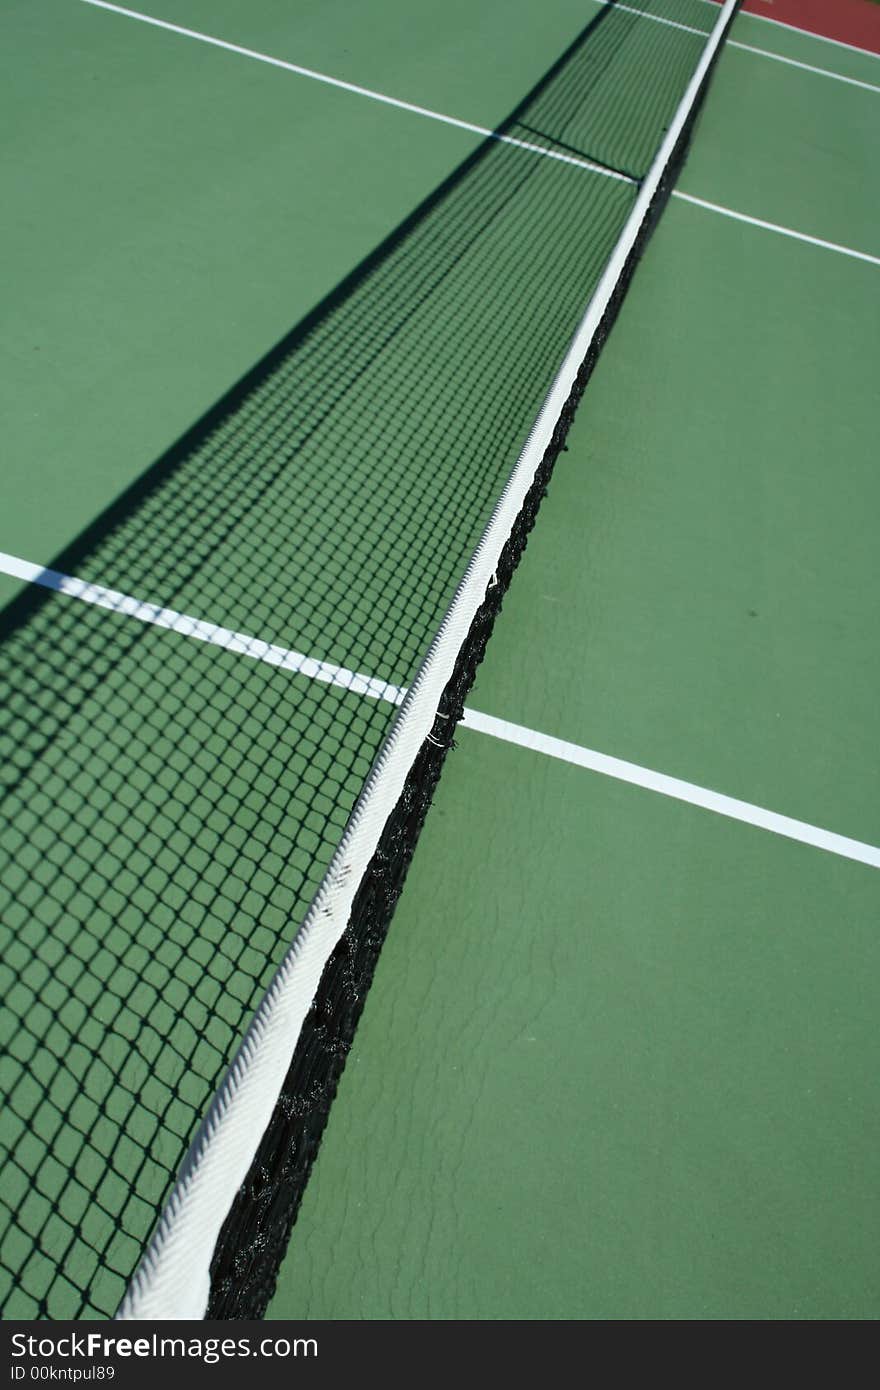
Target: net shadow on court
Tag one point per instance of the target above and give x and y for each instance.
(173, 805)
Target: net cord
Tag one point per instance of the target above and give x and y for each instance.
(172, 1280)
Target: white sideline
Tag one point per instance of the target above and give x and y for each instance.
(480, 130)
(502, 729)
(344, 86)
(776, 227)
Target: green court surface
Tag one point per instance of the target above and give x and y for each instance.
(815, 146)
(159, 255)
(618, 1058)
(657, 1097)
(847, 62)
(618, 1062)
(698, 593)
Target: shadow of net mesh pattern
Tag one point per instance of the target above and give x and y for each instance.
(172, 806)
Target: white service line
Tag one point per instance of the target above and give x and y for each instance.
(793, 29)
(344, 86)
(502, 729)
(775, 227)
(672, 786)
(201, 631)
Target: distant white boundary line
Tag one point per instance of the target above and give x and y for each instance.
(775, 227)
(793, 28)
(659, 19)
(502, 729)
(807, 67)
(746, 47)
(352, 87)
(481, 130)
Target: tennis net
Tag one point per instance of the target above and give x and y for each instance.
(231, 744)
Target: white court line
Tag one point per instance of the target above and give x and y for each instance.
(672, 786)
(746, 47)
(775, 227)
(381, 97)
(201, 631)
(807, 67)
(476, 129)
(660, 19)
(502, 729)
(793, 28)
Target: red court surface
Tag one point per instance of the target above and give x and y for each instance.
(846, 21)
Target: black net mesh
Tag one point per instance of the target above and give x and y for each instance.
(172, 806)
